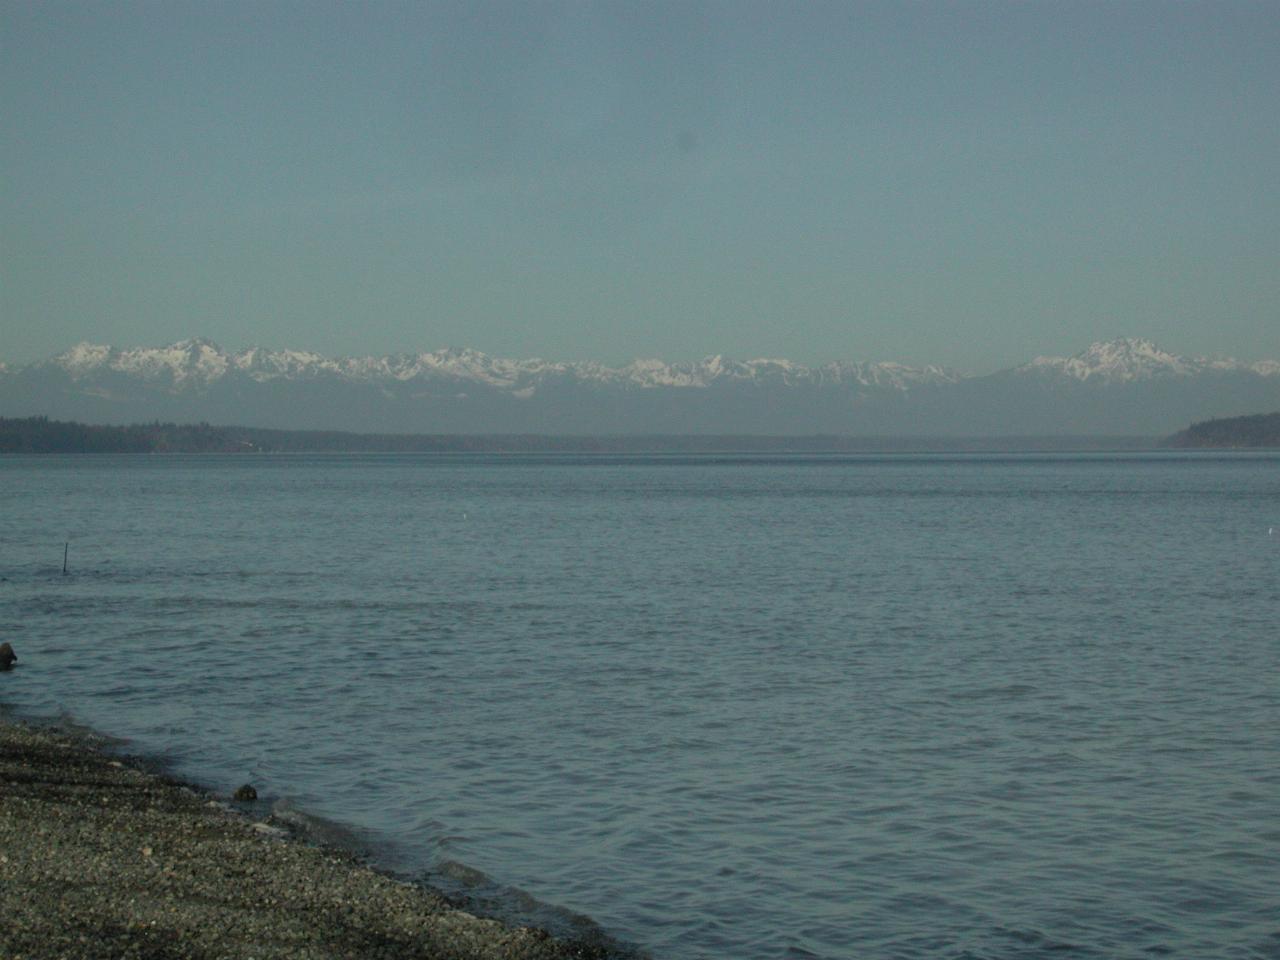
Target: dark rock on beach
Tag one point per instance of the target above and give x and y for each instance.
(7, 656)
(245, 792)
(100, 859)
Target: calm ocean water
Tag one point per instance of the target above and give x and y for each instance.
(883, 707)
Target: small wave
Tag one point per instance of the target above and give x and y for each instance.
(1011, 691)
(478, 893)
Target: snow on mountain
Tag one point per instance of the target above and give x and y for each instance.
(650, 373)
(1265, 368)
(262, 365)
(456, 390)
(84, 357)
(698, 374)
(197, 360)
(888, 374)
(705, 372)
(472, 365)
(200, 362)
(1126, 360)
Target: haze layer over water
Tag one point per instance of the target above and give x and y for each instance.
(726, 707)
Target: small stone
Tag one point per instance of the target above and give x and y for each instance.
(245, 792)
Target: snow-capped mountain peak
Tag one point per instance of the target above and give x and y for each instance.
(1129, 359)
(196, 359)
(84, 356)
(262, 365)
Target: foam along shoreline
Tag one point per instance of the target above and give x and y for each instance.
(101, 858)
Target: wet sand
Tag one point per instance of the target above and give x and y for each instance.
(100, 858)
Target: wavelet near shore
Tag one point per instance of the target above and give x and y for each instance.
(100, 858)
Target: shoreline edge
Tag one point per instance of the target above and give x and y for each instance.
(101, 858)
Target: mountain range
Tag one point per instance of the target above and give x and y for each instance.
(1120, 387)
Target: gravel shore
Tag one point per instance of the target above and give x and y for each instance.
(101, 859)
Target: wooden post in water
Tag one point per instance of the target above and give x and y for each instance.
(65, 547)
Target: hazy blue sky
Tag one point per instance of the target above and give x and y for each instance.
(966, 183)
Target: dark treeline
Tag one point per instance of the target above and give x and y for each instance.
(1258, 430)
(42, 435)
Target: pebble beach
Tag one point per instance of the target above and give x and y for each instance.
(102, 858)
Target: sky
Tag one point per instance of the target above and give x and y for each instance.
(972, 184)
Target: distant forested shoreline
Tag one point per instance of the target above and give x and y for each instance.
(1256, 430)
(42, 435)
